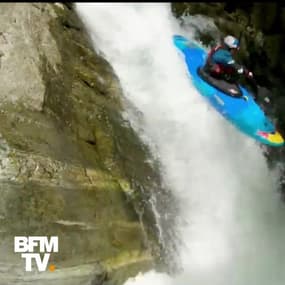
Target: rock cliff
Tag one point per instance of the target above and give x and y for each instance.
(70, 165)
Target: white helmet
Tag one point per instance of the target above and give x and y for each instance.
(231, 42)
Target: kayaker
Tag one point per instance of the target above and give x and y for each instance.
(221, 64)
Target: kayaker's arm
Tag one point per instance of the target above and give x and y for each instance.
(224, 57)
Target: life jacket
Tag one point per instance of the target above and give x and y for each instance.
(210, 54)
(216, 68)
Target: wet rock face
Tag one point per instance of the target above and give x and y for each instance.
(70, 166)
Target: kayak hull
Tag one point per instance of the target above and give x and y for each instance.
(243, 112)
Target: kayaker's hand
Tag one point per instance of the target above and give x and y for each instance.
(248, 74)
(266, 100)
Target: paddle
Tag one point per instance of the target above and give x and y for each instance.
(254, 85)
(251, 82)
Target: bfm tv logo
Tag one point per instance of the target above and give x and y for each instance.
(26, 245)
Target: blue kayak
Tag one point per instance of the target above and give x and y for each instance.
(234, 102)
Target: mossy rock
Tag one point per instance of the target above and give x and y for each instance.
(185, 8)
(282, 19)
(264, 16)
(273, 48)
(73, 167)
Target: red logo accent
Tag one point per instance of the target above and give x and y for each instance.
(263, 134)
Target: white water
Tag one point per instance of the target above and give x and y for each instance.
(233, 228)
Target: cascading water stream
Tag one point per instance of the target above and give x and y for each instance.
(232, 222)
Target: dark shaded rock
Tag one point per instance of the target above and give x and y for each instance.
(263, 16)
